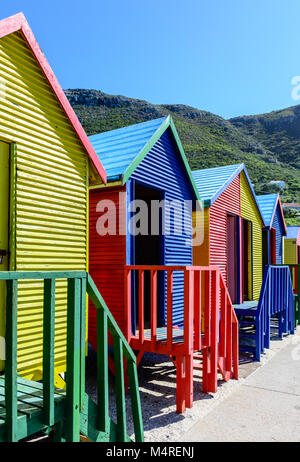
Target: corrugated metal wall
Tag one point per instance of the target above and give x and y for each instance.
(250, 212)
(107, 258)
(51, 193)
(290, 251)
(162, 168)
(279, 227)
(201, 252)
(228, 202)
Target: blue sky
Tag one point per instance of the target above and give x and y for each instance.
(230, 57)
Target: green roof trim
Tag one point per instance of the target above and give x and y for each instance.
(159, 132)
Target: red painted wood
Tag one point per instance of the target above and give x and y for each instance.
(141, 306)
(153, 277)
(228, 202)
(198, 309)
(188, 310)
(18, 23)
(220, 347)
(180, 394)
(189, 382)
(169, 310)
(107, 259)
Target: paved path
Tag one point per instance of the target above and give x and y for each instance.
(266, 407)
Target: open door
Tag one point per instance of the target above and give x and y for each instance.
(247, 260)
(149, 250)
(4, 237)
(232, 254)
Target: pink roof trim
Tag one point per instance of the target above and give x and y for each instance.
(278, 202)
(18, 23)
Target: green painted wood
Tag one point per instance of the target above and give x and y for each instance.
(11, 387)
(102, 372)
(19, 275)
(72, 432)
(135, 401)
(120, 388)
(48, 350)
(13, 208)
(82, 341)
(100, 304)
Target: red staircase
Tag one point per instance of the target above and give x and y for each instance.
(208, 339)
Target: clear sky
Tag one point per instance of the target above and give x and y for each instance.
(230, 57)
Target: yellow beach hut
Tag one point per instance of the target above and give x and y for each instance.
(46, 165)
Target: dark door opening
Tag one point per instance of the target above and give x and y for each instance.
(149, 250)
(232, 257)
(273, 246)
(246, 259)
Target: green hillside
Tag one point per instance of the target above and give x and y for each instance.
(269, 144)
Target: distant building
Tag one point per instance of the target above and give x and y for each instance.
(279, 183)
(292, 205)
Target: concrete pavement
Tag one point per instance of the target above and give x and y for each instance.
(266, 407)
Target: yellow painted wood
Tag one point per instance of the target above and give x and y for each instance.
(290, 251)
(201, 252)
(51, 190)
(250, 212)
(4, 239)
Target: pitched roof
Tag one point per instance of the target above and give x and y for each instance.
(292, 232)
(268, 204)
(122, 150)
(18, 23)
(211, 182)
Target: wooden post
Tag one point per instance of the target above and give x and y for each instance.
(48, 351)
(141, 306)
(11, 387)
(102, 372)
(120, 389)
(153, 277)
(169, 310)
(73, 361)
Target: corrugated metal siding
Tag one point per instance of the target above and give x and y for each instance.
(278, 226)
(250, 212)
(201, 252)
(290, 251)
(228, 202)
(162, 168)
(212, 182)
(107, 259)
(51, 193)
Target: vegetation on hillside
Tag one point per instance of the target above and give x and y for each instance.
(268, 144)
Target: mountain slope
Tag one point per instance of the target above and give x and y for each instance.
(269, 144)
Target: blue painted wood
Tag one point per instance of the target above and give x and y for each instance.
(276, 300)
(279, 227)
(163, 169)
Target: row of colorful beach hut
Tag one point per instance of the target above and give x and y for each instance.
(67, 207)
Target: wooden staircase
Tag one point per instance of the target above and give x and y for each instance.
(28, 407)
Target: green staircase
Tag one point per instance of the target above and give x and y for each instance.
(28, 407)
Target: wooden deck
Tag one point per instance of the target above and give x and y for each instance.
(31, 416)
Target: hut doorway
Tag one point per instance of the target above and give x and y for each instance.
(149, 250)
(4, 225)
(232, 257)
(247, 259)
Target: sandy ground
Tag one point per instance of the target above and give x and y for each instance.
(157, 380)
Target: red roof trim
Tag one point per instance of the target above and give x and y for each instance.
(18, 23)
(278, 202)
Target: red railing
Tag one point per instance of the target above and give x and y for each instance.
(209, 323)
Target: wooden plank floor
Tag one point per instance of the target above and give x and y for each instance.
(30, 398)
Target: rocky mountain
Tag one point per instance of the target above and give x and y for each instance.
(269, 144)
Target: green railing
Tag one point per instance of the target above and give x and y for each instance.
(79, 284)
